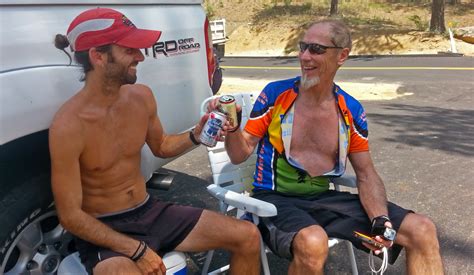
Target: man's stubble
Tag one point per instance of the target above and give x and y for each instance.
(119, 73)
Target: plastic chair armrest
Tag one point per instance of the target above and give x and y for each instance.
(236, 187)
(203, 108)
(240, 201)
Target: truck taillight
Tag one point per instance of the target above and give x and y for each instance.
(211, 62)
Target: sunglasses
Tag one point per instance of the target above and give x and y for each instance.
(315, 48)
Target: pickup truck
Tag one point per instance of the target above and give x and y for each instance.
(36, 79)
(219, 36)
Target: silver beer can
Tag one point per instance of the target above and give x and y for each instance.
(227, 106)
(214, 123)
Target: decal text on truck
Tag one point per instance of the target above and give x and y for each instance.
(174, 47)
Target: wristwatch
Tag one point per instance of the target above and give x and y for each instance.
(389, 234)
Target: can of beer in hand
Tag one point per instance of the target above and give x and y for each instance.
(209, 133)
(227, 106)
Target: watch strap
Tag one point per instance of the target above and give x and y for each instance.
(382, 219)
(378, 225)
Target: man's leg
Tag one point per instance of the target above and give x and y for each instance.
(241, 238)
(116, 266)
(310, 250)
(417, 234)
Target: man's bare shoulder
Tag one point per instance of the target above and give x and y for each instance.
(141, 93)
(139, 90)
(66, 122)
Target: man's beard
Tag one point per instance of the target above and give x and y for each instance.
(119, 73)
(308, 82)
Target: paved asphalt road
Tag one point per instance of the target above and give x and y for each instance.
(421, 144)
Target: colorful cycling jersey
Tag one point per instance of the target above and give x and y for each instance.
(271, 120)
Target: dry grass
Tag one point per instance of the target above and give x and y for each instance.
(263, 26)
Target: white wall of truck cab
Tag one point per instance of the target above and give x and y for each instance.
(36, 78)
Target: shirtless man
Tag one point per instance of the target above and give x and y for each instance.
(95, 142)
(305, 128)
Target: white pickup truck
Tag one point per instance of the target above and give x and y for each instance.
(219, 36)
(36, 78)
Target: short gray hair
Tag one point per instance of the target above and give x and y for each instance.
(339, 32)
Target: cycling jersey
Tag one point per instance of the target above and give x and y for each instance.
(271, 120)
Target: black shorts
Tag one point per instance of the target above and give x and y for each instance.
(339, 213)
(162, 225)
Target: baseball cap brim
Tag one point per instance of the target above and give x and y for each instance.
(139, 39)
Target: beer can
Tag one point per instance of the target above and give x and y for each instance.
(209, 133)
(227, 106)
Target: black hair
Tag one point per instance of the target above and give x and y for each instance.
(82, 57)
(61, 42)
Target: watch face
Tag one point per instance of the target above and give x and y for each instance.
(389, 234)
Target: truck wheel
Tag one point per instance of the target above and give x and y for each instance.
(31, 239)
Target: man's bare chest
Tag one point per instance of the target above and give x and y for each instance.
(111, 139)
(315, 134)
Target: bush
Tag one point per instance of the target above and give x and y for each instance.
(420, 25)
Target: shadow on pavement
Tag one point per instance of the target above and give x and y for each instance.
(431, 127)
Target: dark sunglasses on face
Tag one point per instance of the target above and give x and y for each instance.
(315, 48)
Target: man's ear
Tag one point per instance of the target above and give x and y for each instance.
(97, 58)
(343, 56)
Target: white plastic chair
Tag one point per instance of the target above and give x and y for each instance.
(232, 182)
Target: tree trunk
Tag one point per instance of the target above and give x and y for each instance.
(333, 11)
(437, 17)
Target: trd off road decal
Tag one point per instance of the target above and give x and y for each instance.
(174, 47)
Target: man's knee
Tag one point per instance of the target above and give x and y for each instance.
(311, 245)
(418, 231)
(116, 265)
(249, 237)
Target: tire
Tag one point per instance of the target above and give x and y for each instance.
(217, 75)
(31, 239)
(216, 80)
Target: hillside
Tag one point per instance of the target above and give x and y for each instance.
(270, 27)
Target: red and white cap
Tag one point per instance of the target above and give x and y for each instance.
(102, 26)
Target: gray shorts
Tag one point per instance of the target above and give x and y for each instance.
(339, 213)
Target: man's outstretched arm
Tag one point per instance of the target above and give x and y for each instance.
(165, 145)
